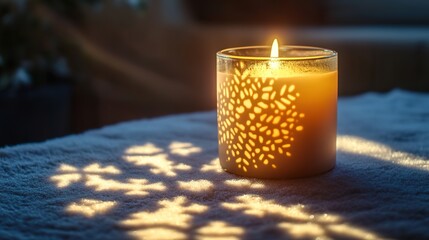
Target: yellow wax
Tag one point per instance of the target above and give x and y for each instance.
(277, 125)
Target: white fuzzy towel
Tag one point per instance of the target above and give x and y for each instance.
(160, 179)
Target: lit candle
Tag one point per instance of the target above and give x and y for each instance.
(277, 112)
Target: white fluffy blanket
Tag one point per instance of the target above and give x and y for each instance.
(159, 178)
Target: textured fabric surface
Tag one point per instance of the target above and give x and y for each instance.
(160, 178)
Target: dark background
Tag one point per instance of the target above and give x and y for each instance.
(72, 65)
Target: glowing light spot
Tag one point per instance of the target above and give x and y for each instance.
(148, 148)
(64, 180)
(157, 233)
(247, 154)
(276, 132)
(267, 89)
(277, 120)
(265, 96)
(90, 207)
(285, 101)
(168, 222)
(263, 129)
(246, 92)
(361, 146)
(67, 168)
(262, 105)
(290, 120)
(244, 183)
(139, 187)
(296, 221)
(291, 97)
(201, 185)
(159, 164)
(280, 105)
(248, 147)
(352, 231)
(98, 169)
(302, 230)
(237, 72)
(257, 206)
(68, 174)
(245, 74)
(247, 103)
(217, 230)
(283, 90)
(242, 96)
(252, 135)
(183, 148)
(230, 107)
(242, 65)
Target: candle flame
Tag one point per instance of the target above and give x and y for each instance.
(274, 63)
(275, 49)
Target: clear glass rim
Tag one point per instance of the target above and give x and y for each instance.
(225, 53)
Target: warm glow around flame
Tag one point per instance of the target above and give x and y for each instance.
(275, 49)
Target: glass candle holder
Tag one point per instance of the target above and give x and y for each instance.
(277, 116)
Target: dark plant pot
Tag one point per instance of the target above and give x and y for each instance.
(35, 114)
